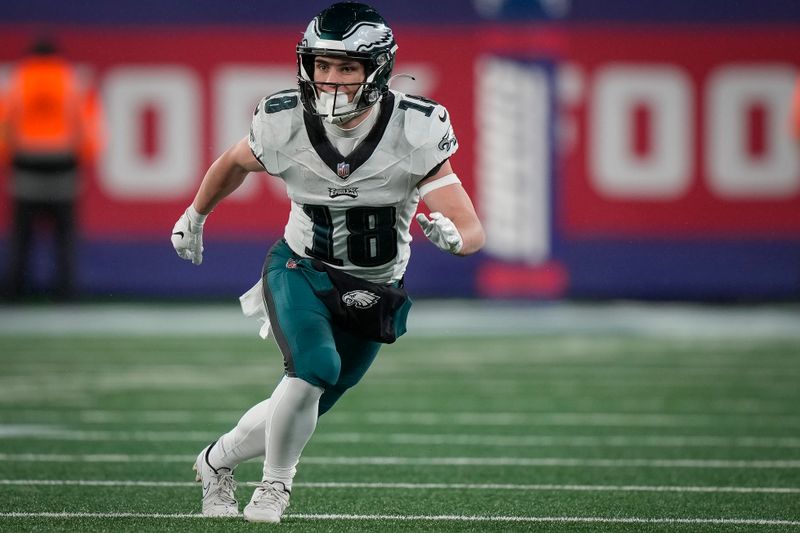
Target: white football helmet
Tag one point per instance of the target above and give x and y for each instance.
(346, 30)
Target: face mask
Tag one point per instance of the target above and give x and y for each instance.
(327, 104)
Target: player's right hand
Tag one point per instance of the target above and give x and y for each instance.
(187, 239)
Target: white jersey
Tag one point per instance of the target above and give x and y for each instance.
(353, 212)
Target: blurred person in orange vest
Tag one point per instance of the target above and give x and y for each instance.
(49, 129)
(796, 112)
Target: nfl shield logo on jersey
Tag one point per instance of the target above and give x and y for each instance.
(343, 169)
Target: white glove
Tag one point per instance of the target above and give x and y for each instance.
(441, 231)
(187, 237)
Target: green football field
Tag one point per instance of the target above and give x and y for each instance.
(482, 418)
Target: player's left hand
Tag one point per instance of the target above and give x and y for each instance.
(187, 239)
(441, 231)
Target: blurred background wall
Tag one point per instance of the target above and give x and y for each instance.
(614, 148)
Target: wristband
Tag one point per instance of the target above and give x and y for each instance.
(194, 217)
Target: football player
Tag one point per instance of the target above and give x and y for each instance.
(356, 158)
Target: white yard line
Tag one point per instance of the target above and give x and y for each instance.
(553, 461)
(572, 441)
(434, 418)
(565, 419)
(95, 483)
(40, 432)
(442, 518)
(55, 433)
(428, 461)
(427, 486)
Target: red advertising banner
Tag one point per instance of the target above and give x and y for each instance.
(614, 160)
(176, 98)
(673, 131)
(682, 133)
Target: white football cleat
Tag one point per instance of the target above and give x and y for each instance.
(268, 503)
(219, 487)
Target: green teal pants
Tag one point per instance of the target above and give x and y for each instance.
(314, 349)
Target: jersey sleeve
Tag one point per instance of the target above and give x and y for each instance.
(257, 127)
(428, 129)
(271, 128)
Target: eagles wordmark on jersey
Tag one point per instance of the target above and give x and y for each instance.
(354, 212)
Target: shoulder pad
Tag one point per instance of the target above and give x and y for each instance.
(424, 120)
(275, 120)
(427, 127)
(273, 117)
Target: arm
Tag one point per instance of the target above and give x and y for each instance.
(223, 177)
(454, 204)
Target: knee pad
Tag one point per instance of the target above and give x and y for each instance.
(301, 393)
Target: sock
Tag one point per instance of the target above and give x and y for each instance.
(291, 421)
(243, 442)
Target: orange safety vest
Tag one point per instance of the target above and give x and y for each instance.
(46, 112)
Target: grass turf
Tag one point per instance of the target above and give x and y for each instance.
(550, 432)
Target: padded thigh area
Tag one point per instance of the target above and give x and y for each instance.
(302, 326)
(313, 348)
